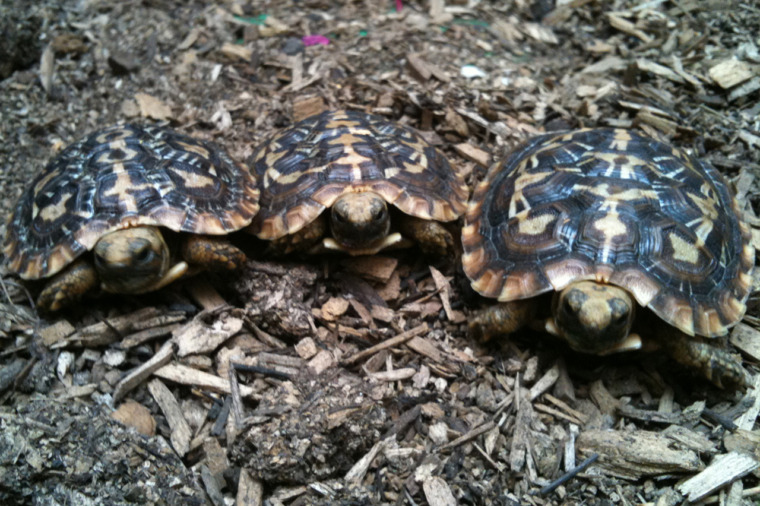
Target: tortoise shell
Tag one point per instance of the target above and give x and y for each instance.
(119, 177)
(305, 169)
(617, 207)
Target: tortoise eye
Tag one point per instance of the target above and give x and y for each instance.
(144, 255)
(381, 214)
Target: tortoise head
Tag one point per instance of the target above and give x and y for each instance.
(132, 260)
(595, 318)
(359, 220)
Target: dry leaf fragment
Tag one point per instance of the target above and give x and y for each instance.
(134, 414)
(151, 107)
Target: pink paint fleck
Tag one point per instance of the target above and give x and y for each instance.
(399, 6)
(313, 40)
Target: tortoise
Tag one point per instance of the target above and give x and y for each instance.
(354, 164)
(120, 193)
(628, 238)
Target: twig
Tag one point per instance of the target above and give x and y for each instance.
(568, 475)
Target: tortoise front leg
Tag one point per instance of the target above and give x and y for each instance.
(302, 241)
(431, 236)
(68, 286)
(213, 253)
(714, 362)
(502, 318)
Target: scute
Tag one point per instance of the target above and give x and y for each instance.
(120, 177)
(306, 168)
(614, 206)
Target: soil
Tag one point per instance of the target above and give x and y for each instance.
(331, 380)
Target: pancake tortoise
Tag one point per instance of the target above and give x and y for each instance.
(603, 221)
(127, 194)
(354, 164)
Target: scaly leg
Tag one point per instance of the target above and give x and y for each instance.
(68, 286)
(302, 241)
(212, 253)
(714, 362)
(502, 318)
(430, 236)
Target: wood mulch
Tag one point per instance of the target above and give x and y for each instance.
(331, 380)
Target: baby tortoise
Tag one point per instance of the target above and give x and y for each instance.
(354, 164)
(608, 220)
(114, 193)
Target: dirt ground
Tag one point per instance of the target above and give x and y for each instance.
(329, 380)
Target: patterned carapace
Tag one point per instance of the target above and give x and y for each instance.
(617, 207)
(303, 170)
(120, 177)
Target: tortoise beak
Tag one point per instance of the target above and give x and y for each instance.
(630, 343)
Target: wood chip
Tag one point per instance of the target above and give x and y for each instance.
(56, 332)
(607, 404)
(305, 107)
(374, 268)
(655, 68)
(545, 383)
(635, 454)
(205, 294)
(384, 314)
(359, 470)
(306, 348)
(627, 27)
(745, 89)
(746, 339)
(392, 289)
(113, 329)
(185, 375)
(723, 470)
(458, 124)
(199, 337)
(215, 457)
(473, 154)
(321, 362)
(444, 292)
(146, 335)
(426, 347)
(137, 375)
(418, 67)
(236, 51)
(334, 308)
(389, 343)
(729, 73)
(477, 431)
(181, 431)
(437, 492)
(394, 375)
(250, 491)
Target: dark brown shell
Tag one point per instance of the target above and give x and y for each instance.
(615, 206)
(303, 171)
(120, 177)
